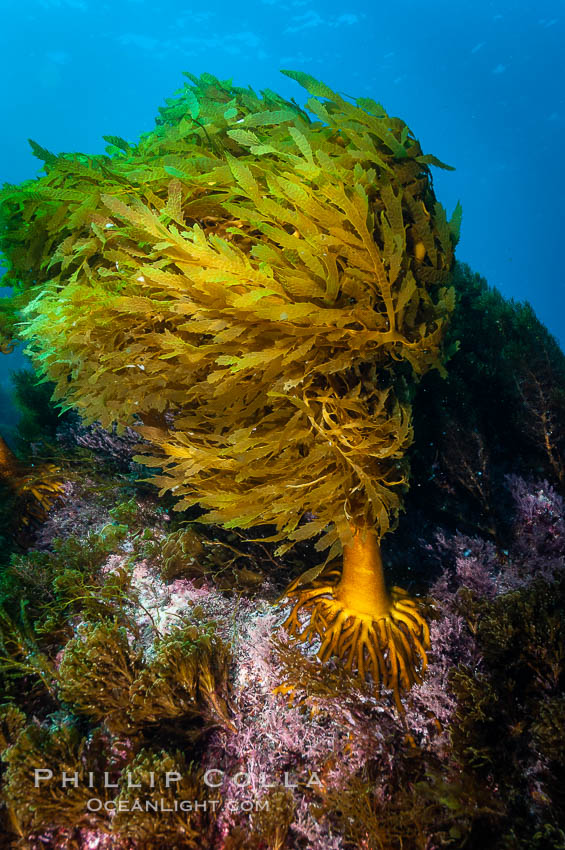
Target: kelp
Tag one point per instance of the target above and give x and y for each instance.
(257, 274)
(257, 292)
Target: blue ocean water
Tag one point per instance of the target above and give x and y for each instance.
(480, 84)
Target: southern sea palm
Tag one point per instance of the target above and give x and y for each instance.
(259, 290)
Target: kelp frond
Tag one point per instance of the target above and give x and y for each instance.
(258, 274)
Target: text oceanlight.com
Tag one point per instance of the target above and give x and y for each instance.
(140, 804)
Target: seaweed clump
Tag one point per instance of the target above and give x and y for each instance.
(176, 802)
(115, 713)
(103, 677)
(59, 782)
(181, 554)
(272, 821)
(96, 671)
(60, 749)
(41, 592)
